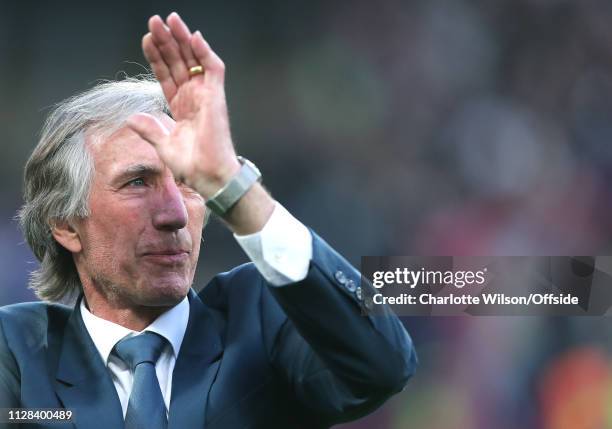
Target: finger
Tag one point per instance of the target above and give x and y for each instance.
(214, 67)
(169, 50)
(149, 128)
(159, 67)
(181, 33)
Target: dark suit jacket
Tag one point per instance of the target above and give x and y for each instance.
(253, 356)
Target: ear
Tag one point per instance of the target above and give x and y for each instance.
(66, 235)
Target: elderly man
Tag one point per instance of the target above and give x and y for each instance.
(115, 201)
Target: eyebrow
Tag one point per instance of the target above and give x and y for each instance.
(137, 170)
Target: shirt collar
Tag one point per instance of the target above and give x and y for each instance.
(105, 334)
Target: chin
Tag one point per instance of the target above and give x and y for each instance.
(164, 295)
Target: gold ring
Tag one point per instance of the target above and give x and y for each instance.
(196, 70)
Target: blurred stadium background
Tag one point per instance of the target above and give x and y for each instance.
(440, 127)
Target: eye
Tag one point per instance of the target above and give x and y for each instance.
(139, 181)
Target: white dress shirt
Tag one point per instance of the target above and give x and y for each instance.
(171, 325)
(281, 251)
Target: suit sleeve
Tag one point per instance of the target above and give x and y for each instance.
(9, 375)
(340, 361)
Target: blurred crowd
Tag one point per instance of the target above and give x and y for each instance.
(435, 127)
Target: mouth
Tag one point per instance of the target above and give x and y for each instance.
(167, 257)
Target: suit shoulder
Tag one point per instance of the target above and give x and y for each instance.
(239, 280)
(32, 316)
(246, 271)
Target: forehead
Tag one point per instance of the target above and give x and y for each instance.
(114, 153)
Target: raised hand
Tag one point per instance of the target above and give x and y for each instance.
(199, 149)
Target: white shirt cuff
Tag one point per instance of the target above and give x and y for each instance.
(282, 250)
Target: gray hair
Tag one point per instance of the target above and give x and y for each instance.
(59, 173)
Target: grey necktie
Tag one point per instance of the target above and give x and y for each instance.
(146, 408)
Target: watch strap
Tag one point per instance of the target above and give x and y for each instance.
(230, 194)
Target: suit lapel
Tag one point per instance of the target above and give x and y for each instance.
(83, 383)
(196, 368)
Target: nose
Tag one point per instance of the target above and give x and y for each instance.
(170, 213)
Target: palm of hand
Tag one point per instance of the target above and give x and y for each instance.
(200, 140)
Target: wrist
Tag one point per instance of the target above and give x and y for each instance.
(211, 184)
(235, 188)
(251, 213)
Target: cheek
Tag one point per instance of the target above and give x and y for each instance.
(197, 240)
(196, 223)
(113, 232)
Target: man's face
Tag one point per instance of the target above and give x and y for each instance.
(141, 242)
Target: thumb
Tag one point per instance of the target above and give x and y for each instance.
(149, 128)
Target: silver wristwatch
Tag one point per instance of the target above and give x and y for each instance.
(228, 196)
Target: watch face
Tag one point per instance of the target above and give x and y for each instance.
(253, 166)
